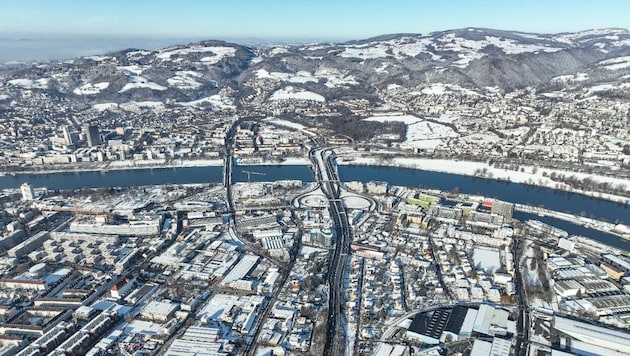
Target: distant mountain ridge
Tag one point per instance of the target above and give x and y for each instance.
(226, 76)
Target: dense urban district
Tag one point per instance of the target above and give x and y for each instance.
(325, 266)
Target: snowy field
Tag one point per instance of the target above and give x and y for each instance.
(91, 89)
(185, 80)
(105, 106)
(133, 69)
(291, 93)
(332, 76)
(420, 133)
(467, 50)
(578, 77)
(530, 275)
(487, 259)
(285, 123)
(441, 89)
(136, 81)
(133, 105)
(609, 86)
(216, 101)
(30, 84)
(217, 53)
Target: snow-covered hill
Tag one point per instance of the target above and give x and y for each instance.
(471, 62)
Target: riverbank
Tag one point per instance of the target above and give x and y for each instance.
(289, 161)
(619, 230)
(154, 164)
(120, 166)
(529, 175)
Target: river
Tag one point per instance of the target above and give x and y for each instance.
(512, 192)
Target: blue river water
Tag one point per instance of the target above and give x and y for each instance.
(115, 178)
(574, 229)
(513, 192)
(156, 176)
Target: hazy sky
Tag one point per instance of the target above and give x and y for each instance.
(296, 19)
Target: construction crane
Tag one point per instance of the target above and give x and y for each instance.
(249, 175)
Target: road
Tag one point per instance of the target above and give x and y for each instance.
(522, 327)
(326, 174)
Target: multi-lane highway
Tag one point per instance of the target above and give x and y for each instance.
(326, 174)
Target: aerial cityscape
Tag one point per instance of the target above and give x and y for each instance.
(459, 191)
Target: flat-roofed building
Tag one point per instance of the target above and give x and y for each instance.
(602, 338)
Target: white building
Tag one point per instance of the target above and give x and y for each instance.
(27, 192)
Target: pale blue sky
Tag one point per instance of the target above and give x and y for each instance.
(285, 19)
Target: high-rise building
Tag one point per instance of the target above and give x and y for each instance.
(27, 192)
(93, 136)
(502, 208)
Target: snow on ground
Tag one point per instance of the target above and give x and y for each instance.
(578, 77)
(616, 63)
(308, 250)
(278, 50)
(134, 69)
(420, 133)
(41, 83)
(483, 139)
(487, 259)
(137, 54)
(299, 77)
(354, 201)
(295, 161)
(530, 175)
(285, 123)
(130, 106)
(569, 37)
(4, 97)
(218, 53)
(351, 332)
(269, 351)
(406, 119)
(332, 76)
(98, 58)
(383, 68)
(531, 275)
(441, 89)
(289, 92)
(398, 48)
(289, 124)
(185, 80)
(607, 87)
(105, 106)
(428, 131)
(367, 52)
(517, 131)
(621, 43)
(444, 118)
(201, 163)
(467, 50)
(161, 163)
(555, 94)
(140, 82)
(91, 89)
(216, 101)
(512, 47)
